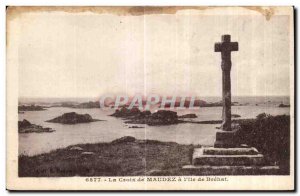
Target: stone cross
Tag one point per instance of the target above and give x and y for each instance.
(226, 47)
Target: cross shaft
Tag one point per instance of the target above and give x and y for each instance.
(226, 47)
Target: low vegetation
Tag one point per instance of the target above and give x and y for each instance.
(123, 157)
(271, 136)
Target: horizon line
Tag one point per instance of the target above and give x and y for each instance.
(25, 97)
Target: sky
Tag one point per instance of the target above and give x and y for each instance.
(88, 54)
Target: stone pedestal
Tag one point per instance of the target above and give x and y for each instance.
(227, 156)
(228, 161)
(225, 139)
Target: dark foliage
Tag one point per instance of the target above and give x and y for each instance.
(271, 136)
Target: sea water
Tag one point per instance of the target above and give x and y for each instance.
(112, 128)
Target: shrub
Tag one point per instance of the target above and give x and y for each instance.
(271, 136)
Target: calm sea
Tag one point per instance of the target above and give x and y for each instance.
(113, 128)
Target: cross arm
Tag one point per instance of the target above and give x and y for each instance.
(218, 47)
(234, 46)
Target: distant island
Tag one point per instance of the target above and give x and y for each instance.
(90, 104)
(283, 105)
(135, 116)
(220, 104)
(188, 101)
(161, 117)
(84, 105)
(136, 127)
(26, 127)
(73, 118)
(23, 108)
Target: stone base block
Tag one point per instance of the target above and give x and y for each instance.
(229, 161)
(224, 144)
(225, 139)
(227, 156)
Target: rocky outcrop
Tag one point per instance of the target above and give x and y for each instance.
(76, 148)
(87, 154)
(162, 117)
(135, 127)
(65, 104)
(188, 116)
(24, 124)
(128, 113)
(220, 104)
(283, 105)
(235, 116)
(135, 116)
(26, 127)
(90, 104)
(213, 104)
(23, 108)
(73, 118)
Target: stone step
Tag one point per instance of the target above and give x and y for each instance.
(199, 158)
(229, 151)
(230, 170)
(229, 160)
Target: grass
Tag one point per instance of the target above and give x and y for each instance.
(119, 158)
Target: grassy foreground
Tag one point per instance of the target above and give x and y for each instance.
(130, 157)
(125, 156)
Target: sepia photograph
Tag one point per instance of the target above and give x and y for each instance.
(150, 98)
